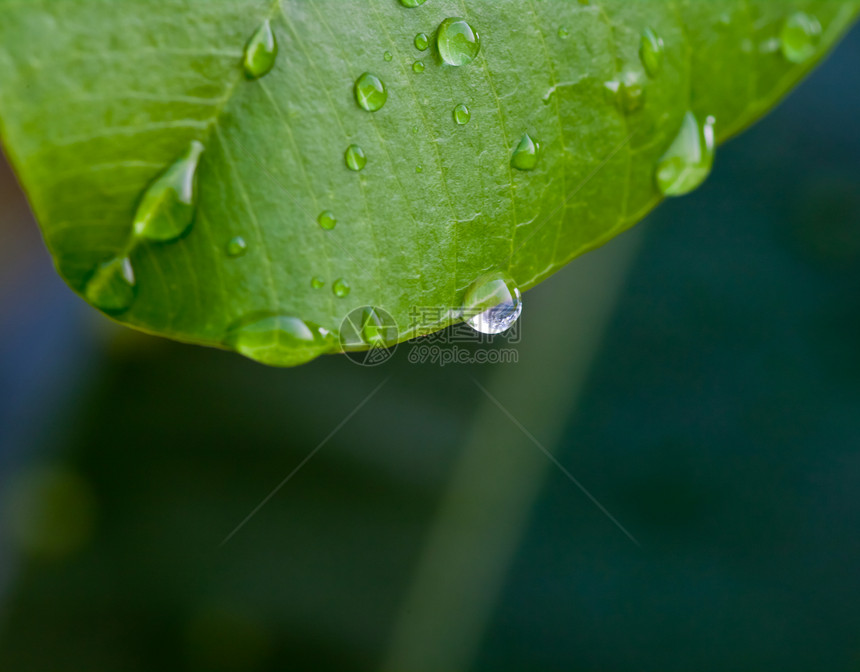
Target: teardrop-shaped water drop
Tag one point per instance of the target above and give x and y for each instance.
(341, 288)
(651, 52)
(412, 3)
(418, 67)
(422, 42)
(462, 114)
(279, 340)
(260, 52)
(525, 155)
(458, 43)
(370, 92)
(800, 37)
(166, 209)
(236, 247)
(355, 158)
(327, 220)
(111, 287)
(688, 161)
(492, 303)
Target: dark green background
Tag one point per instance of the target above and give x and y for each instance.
(720, 424)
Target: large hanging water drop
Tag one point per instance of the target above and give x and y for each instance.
(800, 36)
(525, 156)
(457, 41)
(492, 303)
(370, 93)
(279, 340)
(260, 52)
(688, 162)
(111, 287)
(166, 210)
(651, 52)
(355, 158)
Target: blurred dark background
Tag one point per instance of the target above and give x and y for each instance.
(700, 376)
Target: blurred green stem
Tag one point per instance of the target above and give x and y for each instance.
(496, 480)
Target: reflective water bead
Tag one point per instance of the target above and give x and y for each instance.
(260, 52)
(355, 158)
(458, 43)
(370, 92)
(492, 304)
(688, 161)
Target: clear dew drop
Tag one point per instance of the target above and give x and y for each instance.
(462, 114)
(327, 220)
(317, 282)
(260, 52)
(341, 288)
(236, 247)
(412, 3)
(492, 303)
(627, 93)
(370, 92)
(418, 67)
(800, 36)
(422, 42)
(419, 169)
(458, 43)
(166, 209)
(355, 158)
(525, 156)
(279, 340)
(688, 162)
(387, 57)
(563, 33)
(651, 51)
(111, 287)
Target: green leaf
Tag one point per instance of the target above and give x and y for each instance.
(326, 158)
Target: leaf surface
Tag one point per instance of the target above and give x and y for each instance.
(99, 98)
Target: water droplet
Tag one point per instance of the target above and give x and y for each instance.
(525, 156)
(340, 287)
(387, 57)
(422, 42)
(799, 37)
(651, 52)
(279, 340)
(457, 41)
(236, 247)
(412, 3)
(419, 169)
(627, 94)
(327, 220)
(111, 287)
(260, 52)
(563, 33)
(370, 93)
(492, 303)
(317, 282)
(689, 160)
(418, 67)
(355, 158)
(166, 210)
(462, 115)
